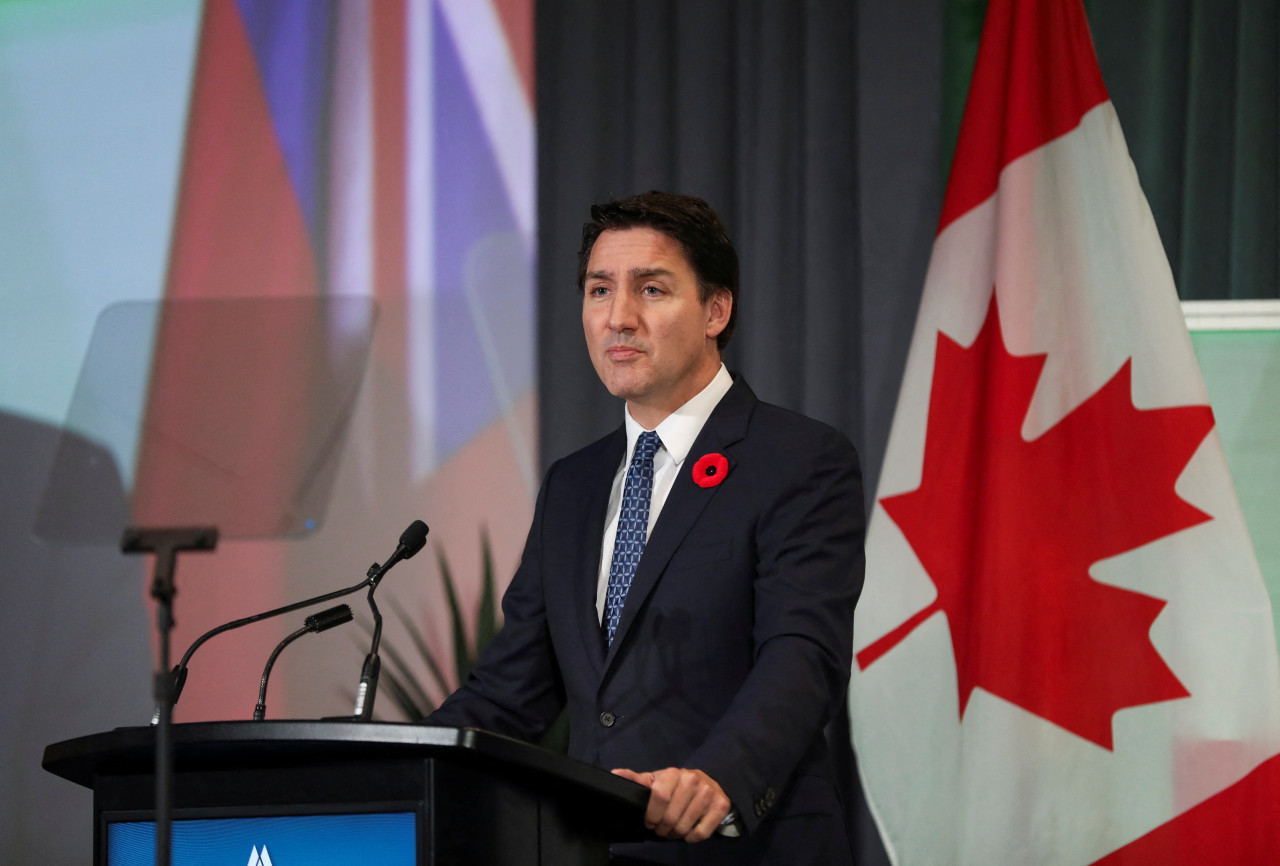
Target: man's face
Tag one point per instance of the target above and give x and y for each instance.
(652, 341)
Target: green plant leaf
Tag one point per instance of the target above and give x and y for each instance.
(411, 696)
(413, 711)
(424, 652)
(461, 652)
(401, 674)
(397, 674)
(486, 617)
(556, 737)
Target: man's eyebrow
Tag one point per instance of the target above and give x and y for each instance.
(645, 273)
(634, 273)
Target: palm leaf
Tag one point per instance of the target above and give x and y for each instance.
(413, 697)
(399, 671)
(424, 652)
(486, 618)
(411, 709)
(396, 675)
(462, 663)
(556, 738)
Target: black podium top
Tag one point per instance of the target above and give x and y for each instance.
(205, 745)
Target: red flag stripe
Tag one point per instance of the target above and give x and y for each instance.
(1035, 78)
(517, 25)
(1232, 827)
(239, 229)
(390, 202)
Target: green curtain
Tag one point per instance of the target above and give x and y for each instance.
(1196, 84)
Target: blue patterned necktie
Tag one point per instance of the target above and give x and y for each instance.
(633, 526)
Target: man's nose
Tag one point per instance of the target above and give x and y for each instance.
(622, 312)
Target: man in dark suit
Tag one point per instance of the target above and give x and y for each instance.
(688, 595)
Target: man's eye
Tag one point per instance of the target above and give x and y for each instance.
(652, 290)
(597, 291)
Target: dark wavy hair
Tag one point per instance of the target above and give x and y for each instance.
(684, 218)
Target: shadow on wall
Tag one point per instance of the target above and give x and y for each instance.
(75, 646)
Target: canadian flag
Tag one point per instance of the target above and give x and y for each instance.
(1064, 651)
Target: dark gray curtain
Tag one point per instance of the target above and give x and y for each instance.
(812, 128)
(757, 107)
(1195, 83)
(751, 106)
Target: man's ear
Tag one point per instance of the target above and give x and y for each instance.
(719, 307)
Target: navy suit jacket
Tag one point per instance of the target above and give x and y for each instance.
(735, 641)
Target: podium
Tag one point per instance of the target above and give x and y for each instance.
(393, 793)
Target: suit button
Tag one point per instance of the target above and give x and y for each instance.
(607, 719)
(770, 796)
(759, 808)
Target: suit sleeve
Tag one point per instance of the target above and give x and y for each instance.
(809, 537)
(516, 688)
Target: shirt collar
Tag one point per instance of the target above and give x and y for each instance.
(679, 429)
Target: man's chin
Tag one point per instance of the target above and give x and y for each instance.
(630, 394)
(626, 387)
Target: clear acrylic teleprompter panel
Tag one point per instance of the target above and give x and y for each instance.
(210, 412)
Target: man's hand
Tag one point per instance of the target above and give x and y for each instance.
(683, 804)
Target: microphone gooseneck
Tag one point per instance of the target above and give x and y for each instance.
(322, 621)
(411, 541)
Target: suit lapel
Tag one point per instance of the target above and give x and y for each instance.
(726, 426)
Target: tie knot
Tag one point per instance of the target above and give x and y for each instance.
(646, 446)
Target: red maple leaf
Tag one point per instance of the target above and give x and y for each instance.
(1007, 530)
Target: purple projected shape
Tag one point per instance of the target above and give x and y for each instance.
(290, 40)
(485, 309)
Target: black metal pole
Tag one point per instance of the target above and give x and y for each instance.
(163, 591)
(165, 544)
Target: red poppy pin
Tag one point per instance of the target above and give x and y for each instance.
(710, 470)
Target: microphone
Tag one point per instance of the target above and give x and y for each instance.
(413, 539)
(317, 622)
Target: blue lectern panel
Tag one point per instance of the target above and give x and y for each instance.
(388, 839)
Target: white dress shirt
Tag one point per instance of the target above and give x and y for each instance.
(677, 432)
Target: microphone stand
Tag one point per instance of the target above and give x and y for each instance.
(178, 677)
(411, 541)
(368, 688)
(165, 544)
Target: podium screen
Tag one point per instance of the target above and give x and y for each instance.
(385, 838)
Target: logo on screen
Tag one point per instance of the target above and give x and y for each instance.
(256, 859)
